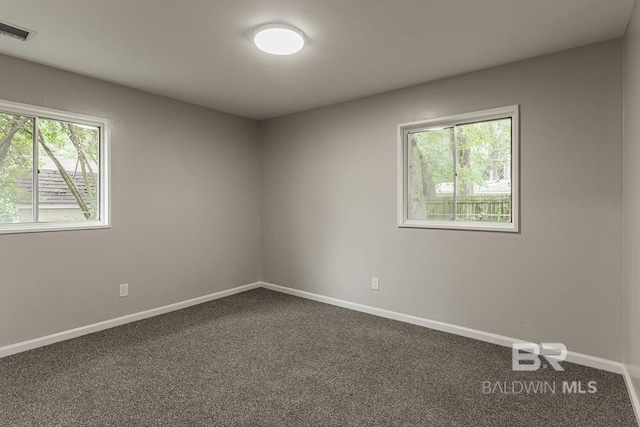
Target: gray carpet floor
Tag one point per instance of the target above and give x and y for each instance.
(263, 358)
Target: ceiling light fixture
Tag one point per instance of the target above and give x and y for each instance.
(278, 39)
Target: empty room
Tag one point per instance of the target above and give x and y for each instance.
(320, 213)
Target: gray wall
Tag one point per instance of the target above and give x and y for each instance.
(186, 210)
(329, 206)
(631, 196)
(186, 207)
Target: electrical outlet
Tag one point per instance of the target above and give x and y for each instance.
(124, 290)
(374, 283)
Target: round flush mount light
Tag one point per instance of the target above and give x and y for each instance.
(278, 39)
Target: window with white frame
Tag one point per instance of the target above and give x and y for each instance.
(53, 170)
(460, 171)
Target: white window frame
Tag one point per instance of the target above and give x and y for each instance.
(404, 129)
(39, 113)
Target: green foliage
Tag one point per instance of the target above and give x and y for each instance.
(482, 148)
(63, 144)
(469, 157)
(57, 136)
(437, 148)
(8, 209)
(16, 153)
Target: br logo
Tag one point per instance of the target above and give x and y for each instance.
(529, 352)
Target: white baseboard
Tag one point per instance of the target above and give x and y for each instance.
(100, 326)
(577, 358)
(632, 393)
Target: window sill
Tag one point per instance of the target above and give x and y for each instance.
(51, 226)
(461, 225)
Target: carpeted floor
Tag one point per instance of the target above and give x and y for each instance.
(267, 359)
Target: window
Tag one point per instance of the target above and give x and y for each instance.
(53, 170)
(460, 172)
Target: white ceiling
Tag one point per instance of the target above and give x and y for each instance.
(200, 51)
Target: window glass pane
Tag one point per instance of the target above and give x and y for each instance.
(484, 171)
(68, 171)
(430, 178)
(16, 168)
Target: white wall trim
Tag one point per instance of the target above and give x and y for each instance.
(632, 393)
(577, 358)
(8, 350)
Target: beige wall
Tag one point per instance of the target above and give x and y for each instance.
(186, 210)
(631, 197)
(329, 206)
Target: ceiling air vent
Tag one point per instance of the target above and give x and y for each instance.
(11, 31)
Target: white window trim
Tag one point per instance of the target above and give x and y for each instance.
(104, 167)
(512, 112)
